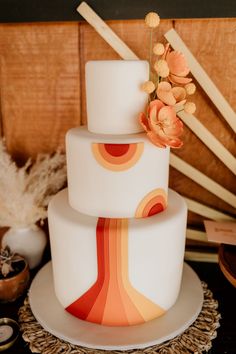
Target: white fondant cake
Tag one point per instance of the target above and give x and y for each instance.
(113, 95)
(153, 251)
(116, 176)
(114, 261)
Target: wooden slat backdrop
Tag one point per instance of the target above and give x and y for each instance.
(213, 43)
(43, 89)
(40, 85)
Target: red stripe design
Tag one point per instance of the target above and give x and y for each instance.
(112, 300)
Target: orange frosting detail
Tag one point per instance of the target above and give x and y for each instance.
(117, 157)
(112, 300)
(153, 203)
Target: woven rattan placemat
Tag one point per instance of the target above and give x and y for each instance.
(196, 339)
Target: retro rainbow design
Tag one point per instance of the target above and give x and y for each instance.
(112, 300)
(117, 157)
(153, 203)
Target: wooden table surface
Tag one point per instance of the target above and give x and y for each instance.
(223, 291)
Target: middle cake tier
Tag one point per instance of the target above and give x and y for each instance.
(116, 176)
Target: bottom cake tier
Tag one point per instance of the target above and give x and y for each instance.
(117, 272)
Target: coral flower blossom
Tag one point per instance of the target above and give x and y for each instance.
(171, 96)
(177, 65)
(161, 124)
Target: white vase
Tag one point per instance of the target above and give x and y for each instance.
(29, 242)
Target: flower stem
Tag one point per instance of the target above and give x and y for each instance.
(150, 52)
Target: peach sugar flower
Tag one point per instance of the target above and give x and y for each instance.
(161, 124)
(178, 66)
(172, 96)
(167, 88)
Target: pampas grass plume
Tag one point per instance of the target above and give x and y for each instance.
(25, 191)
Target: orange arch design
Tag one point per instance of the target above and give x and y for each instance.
(153, 203)
(117, 157)
(112, 300)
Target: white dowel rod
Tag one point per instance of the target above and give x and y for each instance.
(202, 180)
(106, 32)
(209, 140)
(196, 235)
(201, 256)
(207, 212)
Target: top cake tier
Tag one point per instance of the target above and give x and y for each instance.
(114, 96)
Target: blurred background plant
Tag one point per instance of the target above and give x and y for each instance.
(25, 191)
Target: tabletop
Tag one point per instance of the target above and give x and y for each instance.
(223, 291)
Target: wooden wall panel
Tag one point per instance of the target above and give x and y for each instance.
(40, 90)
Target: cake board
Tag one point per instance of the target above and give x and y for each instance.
(55, 320)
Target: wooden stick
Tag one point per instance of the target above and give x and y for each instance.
(118, 45)
(209, 140)
(204, 80)
(106, 32)
(207, 212)
(203, 180)
(201, 256)
(196, 235)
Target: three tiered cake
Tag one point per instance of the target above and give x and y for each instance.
(117, 234)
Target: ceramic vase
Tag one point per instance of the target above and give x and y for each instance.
(28, 242)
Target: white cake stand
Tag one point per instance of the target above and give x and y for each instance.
(54, 319)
